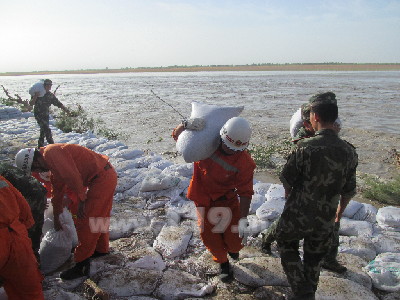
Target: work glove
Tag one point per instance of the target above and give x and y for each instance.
(194, 124)
(244, 230)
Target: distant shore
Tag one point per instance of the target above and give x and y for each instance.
(255, 67)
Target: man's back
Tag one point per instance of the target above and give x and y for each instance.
(320, 170)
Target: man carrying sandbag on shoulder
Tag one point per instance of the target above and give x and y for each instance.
(217, 184)
(76, 167)
(42, 103)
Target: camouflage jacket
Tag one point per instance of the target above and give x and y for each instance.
(42, 106)
(318, 172)
(302, 134)
(33, 191)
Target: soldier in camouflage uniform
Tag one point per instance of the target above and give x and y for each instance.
(319, 174)
(305, 131)
(34, 193)
(41, 112)
(330, 260)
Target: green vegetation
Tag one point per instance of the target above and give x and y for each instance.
(264, 155)
(386, 192)
(79, 121)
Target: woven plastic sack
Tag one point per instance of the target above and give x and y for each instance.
(199, 145)
(384, 271)
(295, 123)
(55, 247)
(37, 87)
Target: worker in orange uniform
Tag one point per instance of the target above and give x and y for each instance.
(217, 184)
(75, 167)
(19, 269)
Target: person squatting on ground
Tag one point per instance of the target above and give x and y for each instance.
(330, 260)
(35, 194)
(319, 180)
(76, 167)
(19, 270)
(217, 184)
(41, 112)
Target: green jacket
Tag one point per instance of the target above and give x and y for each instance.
(320, 170)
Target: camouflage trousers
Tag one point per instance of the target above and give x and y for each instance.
(303, 275)
(45, 131)
(270, 236)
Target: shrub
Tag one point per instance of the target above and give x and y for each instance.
(79, 121)
(387, 192)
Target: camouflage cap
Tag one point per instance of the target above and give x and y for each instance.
(327, 98)
(305, 112)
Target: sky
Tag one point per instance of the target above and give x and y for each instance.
(56, 35)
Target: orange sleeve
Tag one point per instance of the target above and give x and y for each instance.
(244, 184)
(64, 173)
(25, 213)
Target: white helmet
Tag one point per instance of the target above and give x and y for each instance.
(24, 159)
(236, 134)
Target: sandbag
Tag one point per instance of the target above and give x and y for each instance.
(55, 248)
(351, 209)
(199, 145)
(367, 212)
(389, 218)
(37, 87)
(296, 122)
(275, 191)
(350, 227)
(271, 209)
(384, 271)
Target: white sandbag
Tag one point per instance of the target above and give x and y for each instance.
(367, 212)
(384, 271)
(296, 122)
(198, 145)
(184, 170)
(127, 154)
(271, 209)
(161, 164)
(256, 201)
(261, 188)
(37, 87)
(350, 227)
(360, 246)
(275, 191)
(256, 225)
(158, 182)
(386, 243)
(389, 217)
(55, 247)
(351, 209)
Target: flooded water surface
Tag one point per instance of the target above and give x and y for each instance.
(368, 104)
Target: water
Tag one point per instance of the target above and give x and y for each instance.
(368, 101)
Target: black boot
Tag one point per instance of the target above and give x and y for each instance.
(79, 270)
(333, 266)
(266, 248)
(98, 254)
(226, 272)
(234, 256)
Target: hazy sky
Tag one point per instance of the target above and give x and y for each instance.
(85, 34)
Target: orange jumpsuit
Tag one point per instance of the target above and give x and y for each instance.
(215, 186)
(92, 178)
(18, 265)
